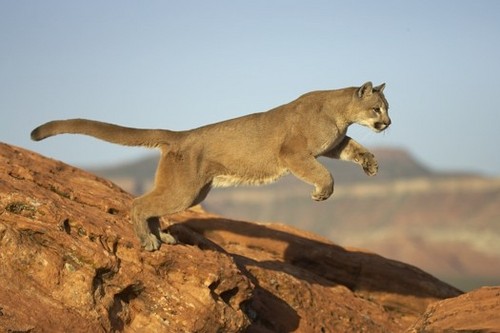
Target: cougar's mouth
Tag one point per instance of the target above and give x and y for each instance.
(380, 126)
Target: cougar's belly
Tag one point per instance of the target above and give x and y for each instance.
(247, 179)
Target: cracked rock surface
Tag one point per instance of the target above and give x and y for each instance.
(69, 262)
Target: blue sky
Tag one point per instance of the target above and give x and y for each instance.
(183, 64)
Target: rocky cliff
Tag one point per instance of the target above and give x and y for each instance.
(70, 263)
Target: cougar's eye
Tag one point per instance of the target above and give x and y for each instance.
(377, 110)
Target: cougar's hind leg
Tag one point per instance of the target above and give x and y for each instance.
(145, 213)
(178, 186)
(147, 209)
(141, 214)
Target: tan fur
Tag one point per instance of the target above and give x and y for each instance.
(255, 149)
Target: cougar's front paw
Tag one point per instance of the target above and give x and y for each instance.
(150, 242)
(370, 165)
(321, 194)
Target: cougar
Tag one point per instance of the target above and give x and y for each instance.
(250, 150)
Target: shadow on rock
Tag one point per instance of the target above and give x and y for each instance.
(400, 289)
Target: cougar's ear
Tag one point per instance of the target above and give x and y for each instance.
(379, 88)
(365, 90)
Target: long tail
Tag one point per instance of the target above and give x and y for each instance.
(108, 132)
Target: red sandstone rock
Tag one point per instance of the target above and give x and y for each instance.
(476, 311)
(71, 263)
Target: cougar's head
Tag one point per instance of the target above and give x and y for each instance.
(372, 107)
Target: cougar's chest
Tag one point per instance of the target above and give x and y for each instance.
(330, 141)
